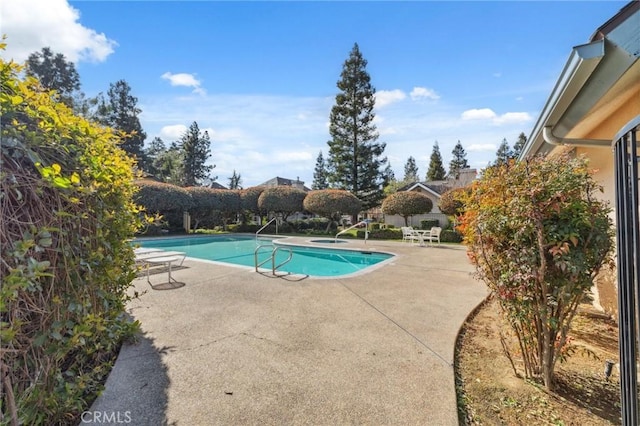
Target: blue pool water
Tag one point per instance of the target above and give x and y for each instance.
(239, 250)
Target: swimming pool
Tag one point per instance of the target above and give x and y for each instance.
(239, 250)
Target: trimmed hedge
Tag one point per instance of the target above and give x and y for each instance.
(429, 223)
(450, 236)
(382, 234)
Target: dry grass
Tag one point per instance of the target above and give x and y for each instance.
(491, 394)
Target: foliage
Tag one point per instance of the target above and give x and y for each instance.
(212, 206)
(235, 181)
(54, 73)
(120, 111)
(195, 146)
(452, 202)
(67, 215)
(538, 236)
(152, 156)
(320, 174)
(429, 223)
(436, 169)
(332, 203)
(249, 200)
(458, 161)
(282, 200)
(450, 236)
(411, 171)
(382, 234)
(355, 156)
(504, 154)
(406, 203)
(519, 145)
(158, 197)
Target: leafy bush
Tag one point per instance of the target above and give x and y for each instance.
(406, 203)
(249, 200)
(282, 200)
(382, 234)
(332, 203)
(450, 236)
(67, 214)
(315, 224)
(213, 206)
(538, 237)
(451, 202)
(159, 197)
(429, 223)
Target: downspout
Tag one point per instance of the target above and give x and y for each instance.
(550, 138)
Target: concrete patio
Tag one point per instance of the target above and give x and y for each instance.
(233, 346)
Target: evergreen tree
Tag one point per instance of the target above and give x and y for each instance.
(436, 169)
(168, 166)
(388, 175)
(195, 147)
(411, 170)
(458, 162)
(235, 181)
(504, 153)
(355, 157)
(519, 145)
(320, 174)
(120, 111)
(151, 155)
(54, 73)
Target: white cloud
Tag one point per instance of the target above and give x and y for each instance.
(31, 25)
(184, 79)
(173, 132)
(387, 97)
(478, 114)
(489, 115)
(514, 117)
(424, 93)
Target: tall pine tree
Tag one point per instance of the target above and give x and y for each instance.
(458, 161)
(235, 181)
(120, 111)
(54, 73)
(436, 169)
(195, 147)
(320, 174)
(504, 153)
(411, 170)
(355, 157)
(519, 145)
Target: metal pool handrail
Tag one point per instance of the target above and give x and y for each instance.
(366, 232)
(268, 223)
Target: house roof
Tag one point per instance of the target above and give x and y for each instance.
(280, 181)
(598, 90)
(435, 187)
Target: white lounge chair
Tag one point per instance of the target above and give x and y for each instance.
(433, 235)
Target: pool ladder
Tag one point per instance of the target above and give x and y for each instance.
(272, 257)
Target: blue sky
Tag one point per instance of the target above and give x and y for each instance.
(261, 77)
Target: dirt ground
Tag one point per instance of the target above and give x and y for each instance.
(489, 393)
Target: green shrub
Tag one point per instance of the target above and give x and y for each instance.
(538, 236)
(429, 223)
(406, 203)
(282, 200)
(159, 197)
(382, 234)
(67, 215)
(450, 236)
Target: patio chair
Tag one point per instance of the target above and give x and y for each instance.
(407, 233)
(433, 235)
